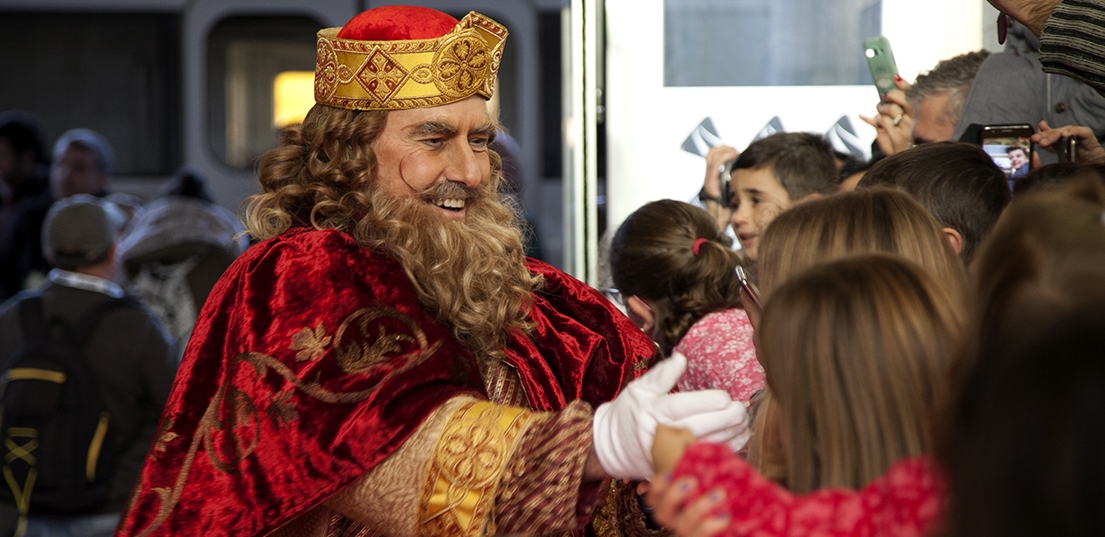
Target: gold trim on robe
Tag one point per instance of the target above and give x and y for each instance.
(466, 466)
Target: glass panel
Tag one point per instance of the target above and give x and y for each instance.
(115, 73)
(245, 57)
(293, 95)
(768, 42)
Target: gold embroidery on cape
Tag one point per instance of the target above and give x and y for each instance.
(358, 355)
(311, 344)
(466, 467)
(230, 427)
(415, 73)
(164, 437)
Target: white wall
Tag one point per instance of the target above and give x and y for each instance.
(646, 122)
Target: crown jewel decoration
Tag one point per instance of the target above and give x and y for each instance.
(414, 73)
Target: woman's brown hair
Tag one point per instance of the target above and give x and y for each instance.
(871, 220)
(857, 354)
(1021, 439)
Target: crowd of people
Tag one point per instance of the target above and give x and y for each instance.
(912, 345)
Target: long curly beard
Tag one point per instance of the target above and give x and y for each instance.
(470, 273)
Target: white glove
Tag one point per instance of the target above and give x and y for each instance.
(624, 428)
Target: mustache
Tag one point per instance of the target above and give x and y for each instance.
(450, 190)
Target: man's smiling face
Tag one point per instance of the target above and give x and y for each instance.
(438, 154)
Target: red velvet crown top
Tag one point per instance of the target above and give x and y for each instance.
(404, 57)
(395, 23)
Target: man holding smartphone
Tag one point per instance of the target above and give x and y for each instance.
(929, 110)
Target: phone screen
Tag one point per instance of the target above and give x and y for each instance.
(1010, 147)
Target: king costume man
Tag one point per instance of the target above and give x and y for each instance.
(386, 361)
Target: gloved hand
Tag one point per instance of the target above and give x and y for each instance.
(624, 428)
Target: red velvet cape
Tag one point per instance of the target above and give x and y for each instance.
(313, 360)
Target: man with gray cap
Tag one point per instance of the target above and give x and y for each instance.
(128, 354)
(83, 162)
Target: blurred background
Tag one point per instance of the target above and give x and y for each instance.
(600, 96)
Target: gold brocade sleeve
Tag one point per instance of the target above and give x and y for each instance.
(499, 469)
(388, 497)
(543, 491)
(471, 454)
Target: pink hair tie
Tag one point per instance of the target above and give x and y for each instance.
(698, 243)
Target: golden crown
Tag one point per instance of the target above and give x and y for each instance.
(415, 73)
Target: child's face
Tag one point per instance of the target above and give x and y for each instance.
(759, 198)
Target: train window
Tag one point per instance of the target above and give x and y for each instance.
(116, 73)
(255, 67)
(768, 42)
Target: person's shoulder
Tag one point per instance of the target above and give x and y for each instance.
(127, 306)
(306, 244)
(304, 257)
(552, 275)
(10, 306)
(537, 266)
(730, 318)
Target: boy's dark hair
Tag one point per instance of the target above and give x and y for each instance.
(958, 182)
(803, 162)
(189, 183)
(1057, 174)
(852, 166)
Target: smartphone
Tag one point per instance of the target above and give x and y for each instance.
(1066, 148)
(727, 184)
(1010, 147)
(748, 287)
(880, 60)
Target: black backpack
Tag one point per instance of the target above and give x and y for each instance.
(58, 450)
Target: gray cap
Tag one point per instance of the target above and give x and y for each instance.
(79, 231)
(91, 140)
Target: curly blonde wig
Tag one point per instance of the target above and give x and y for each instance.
(319, 175)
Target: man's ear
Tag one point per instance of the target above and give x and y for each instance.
(955, 239)
(643, 312)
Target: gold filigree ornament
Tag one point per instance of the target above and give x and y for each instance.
(311, 344)
(415, 73)
(368, 338)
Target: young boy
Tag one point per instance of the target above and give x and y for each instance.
(772, 175)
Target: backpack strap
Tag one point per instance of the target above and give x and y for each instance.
(32, 318)
(35, 324)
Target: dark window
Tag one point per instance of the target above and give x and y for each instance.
(244, 57)
(549, 51)
(115, 73)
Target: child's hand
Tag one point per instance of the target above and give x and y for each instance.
(668, 446)
(681, 507)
